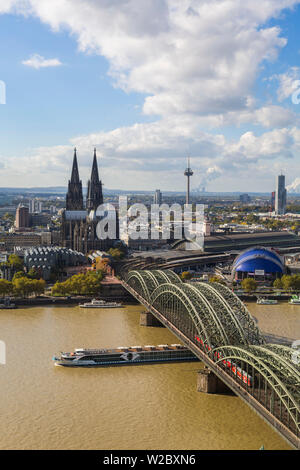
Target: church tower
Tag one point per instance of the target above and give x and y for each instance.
(94, 195)
(74, 198)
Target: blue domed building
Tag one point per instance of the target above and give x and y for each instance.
(262, 264)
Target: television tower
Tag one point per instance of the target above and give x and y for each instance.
(188, 173)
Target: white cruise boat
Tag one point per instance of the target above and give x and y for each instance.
(263, 301)
(295, 300)
(100, 304)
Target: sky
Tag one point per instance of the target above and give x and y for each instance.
(149, 83)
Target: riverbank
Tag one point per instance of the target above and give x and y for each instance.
(109, 292)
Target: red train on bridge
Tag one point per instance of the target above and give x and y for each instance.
(237, 371)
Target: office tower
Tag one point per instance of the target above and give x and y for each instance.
(280, 196)
(157, 197)
(22, 217)
(245, 198)
(272, 201)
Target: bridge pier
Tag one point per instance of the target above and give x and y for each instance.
(208, 382)
(148, 319)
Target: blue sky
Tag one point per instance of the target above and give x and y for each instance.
(147, 82)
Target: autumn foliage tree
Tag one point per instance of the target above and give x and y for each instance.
(249, 284)
(80, 284)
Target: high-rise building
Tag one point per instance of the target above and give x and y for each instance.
(35, 206)
(22, 217)
(245, 198)
(280, 196)
(157, 197)
(272, 201)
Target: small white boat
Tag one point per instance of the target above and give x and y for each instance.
(263, 301)
(295, 300)
(100, 304)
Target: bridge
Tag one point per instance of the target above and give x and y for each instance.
(217, 327)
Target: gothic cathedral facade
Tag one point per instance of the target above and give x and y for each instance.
(79, 220)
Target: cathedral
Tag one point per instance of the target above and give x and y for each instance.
(79, 220)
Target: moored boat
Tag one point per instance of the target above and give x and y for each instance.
(263, 301)
(6, 304)
(100, 304)
(295, 300)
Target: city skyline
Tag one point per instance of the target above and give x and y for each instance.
(104, 86)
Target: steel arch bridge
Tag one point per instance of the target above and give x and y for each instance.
(213, 322)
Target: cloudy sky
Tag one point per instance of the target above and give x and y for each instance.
(149, 82)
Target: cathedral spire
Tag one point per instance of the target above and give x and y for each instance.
(75, 172)
(95, 174)
(74, 198)
(94, 194)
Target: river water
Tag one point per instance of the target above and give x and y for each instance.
(138, 407)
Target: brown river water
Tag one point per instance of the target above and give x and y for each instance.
(134, 407)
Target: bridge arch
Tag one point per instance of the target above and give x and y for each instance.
(222, 324)
(175, 303)
(268, 375)
(247, 322)
(145, 282)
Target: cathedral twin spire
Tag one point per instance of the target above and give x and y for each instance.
(74, 198)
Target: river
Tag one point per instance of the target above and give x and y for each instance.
(138, 407)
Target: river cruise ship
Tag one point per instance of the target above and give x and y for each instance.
(100, 304)
(125, 356)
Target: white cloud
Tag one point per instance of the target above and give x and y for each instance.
(188, 56)
(288, 83)
(197, 62)
(37, 61)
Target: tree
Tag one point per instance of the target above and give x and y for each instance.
(15, 262)
(6, 287)
(249, 284)
(22, 286)
(80, 284)
(186, 275)
(291, 282)
(116, 253)
(18, 275)
(216, 279)
(38, 286)
(33, 274)
(277, 284)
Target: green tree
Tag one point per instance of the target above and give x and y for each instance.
(116, 253)
(15, 262)
(22, 287)
(6, 287)
(18, 275)
(277, 284)
(216, 279)
(33, 274)
(249, 284)
(186, 275)
(80, 284)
